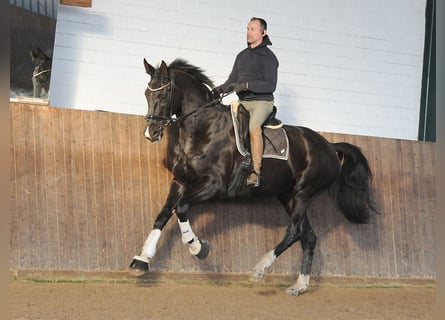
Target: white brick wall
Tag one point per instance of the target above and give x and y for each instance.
(346, 66)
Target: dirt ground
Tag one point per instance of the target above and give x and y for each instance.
(173, 300)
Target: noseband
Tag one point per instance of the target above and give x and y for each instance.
(40, 73)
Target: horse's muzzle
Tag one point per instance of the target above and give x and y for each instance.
(153, 133)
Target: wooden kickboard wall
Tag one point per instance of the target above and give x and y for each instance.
(86, 186)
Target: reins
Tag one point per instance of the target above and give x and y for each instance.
(172, 118)
(208, 104)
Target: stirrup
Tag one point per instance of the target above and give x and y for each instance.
(253, 182)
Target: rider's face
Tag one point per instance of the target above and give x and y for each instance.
(254, 33)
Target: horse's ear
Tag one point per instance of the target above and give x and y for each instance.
(148, 68)
(164, 69)
(33, 54)
(42, 54)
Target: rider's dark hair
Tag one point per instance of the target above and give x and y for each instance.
(263, 22)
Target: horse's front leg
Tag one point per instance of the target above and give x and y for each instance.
(207, 189)
(140, 262)
(197, 247)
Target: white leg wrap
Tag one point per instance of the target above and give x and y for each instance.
(186, 231)
(265, 262)
(303, 281)
(149, 249)
(189, 237)
(300, 286)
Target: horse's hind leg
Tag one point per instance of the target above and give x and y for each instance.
(293, 234)
(298, 229)
(308, 242)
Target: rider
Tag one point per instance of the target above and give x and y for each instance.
(254, 78)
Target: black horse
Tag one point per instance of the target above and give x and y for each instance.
(41, 74)
(205, 162)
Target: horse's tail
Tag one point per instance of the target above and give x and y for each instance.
(352, 189)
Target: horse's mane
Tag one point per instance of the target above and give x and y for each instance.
(195, 72)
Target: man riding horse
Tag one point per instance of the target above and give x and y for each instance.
(254, 78)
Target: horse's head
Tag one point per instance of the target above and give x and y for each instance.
(174, 92)
(40, 60)
(160, 96)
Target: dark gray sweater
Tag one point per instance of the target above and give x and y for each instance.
(259, 68)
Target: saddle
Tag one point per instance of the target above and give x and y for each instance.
(272, 122)
(276, 143)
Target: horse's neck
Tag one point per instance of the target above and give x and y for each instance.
(192, 104)
(207, 119)
(204, 132)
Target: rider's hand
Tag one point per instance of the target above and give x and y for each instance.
(238, 86)
(218, 90)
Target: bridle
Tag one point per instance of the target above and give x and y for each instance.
(40, 73)
(160, 88)
(165, 121)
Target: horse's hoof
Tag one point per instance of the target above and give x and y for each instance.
(296, 290)
(300, 286)
(257, 275)
(292, 291)
(138, 267)
(205, 249)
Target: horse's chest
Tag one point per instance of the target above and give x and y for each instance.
(190, 160)
(198, 154)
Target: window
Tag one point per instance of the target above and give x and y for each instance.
(32, 27)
